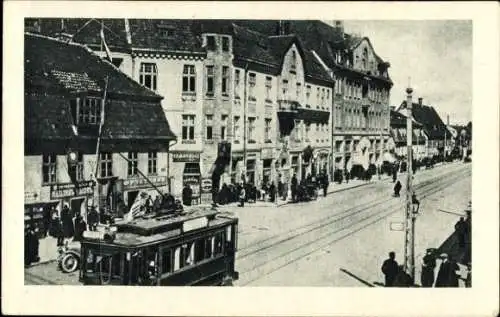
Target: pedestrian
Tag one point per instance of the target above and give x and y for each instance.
(31, 246)
(67, 222)
(80, 227)
(447, 276)
(394, 173)
(187, 195)
(461, 231)
(294, 187)
(325, 184)
(347, 176)
(47, 218)
(397, 188)
(428, 266)
(272, 192)
(93, 218)
(58, 231)
(390, 269)
(242, 196)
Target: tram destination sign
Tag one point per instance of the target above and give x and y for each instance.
(194, 224)
(65, 190)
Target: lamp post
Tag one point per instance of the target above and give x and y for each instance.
(409, 263)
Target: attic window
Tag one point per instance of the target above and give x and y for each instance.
(166, 31)
(211, 43)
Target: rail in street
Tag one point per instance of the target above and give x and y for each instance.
(275, 253)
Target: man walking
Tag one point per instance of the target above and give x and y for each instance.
(447, 276)
(324, 184)
(428, 266)
(390, 269)
(242, 196)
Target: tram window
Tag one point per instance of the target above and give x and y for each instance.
(177, 258)
(219, 242)
(166, 262)
(187, 254)
(199, 250)
(208, 248)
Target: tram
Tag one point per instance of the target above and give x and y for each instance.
(196, 247)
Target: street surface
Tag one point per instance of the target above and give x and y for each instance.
(340, 240)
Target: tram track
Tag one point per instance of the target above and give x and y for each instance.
(322, 222)
(317, 234)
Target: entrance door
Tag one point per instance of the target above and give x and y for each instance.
(131, 196)
(76, 206)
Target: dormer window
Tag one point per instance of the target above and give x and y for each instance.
(211, 43)
(86, 111)
(166, 31)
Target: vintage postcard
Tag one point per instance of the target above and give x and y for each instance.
(315, 158)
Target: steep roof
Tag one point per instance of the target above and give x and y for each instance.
(399, 120)
(429, 118)
(56, 71)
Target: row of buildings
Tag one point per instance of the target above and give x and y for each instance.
(290, 97)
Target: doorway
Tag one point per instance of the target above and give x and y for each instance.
(131, 196)
(76, 206)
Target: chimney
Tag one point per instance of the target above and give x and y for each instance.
(420, 101)
(339, 27)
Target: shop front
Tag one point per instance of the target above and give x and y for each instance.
(267, 166)
(76, 196)
(189, 164)
(132, 187)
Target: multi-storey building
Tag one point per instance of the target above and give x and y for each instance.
(438, 136)
(361, 114)
(399, 135)
(68, 89)
(289, 96)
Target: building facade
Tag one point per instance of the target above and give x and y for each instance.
(271, 89)
(64, 104)
(399, 135)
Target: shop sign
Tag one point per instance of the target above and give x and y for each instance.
(194, 182)
(59, 191)
(31, 197)
(206, 191)
(139, 183)
(188, 157)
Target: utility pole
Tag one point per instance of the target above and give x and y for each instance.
(409, 264)
(245, 101)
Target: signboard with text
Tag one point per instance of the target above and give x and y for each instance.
(206, 190)
(65, 190)
(141, 183)
(188, 157)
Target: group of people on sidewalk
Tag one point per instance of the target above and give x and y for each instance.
(63, 226)
(448, 274)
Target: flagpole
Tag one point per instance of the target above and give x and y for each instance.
(99, 136)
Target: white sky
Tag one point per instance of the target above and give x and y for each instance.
(437, 55)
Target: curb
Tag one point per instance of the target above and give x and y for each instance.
(40, 263)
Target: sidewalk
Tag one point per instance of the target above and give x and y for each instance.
(47, 251)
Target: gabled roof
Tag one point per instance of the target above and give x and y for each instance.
(51, 64)
(55, 71)
(399, 120)
(429, 118)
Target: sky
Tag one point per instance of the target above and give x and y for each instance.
(436, 55)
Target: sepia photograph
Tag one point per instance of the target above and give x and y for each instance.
(239, 152)
(284, 151)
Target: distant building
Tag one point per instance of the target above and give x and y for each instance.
(65, 87)
(399, 135)
(437, 133)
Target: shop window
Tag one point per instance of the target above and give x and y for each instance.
(188, 79)
(132, 164)
(106, 164)
(148, 75)
(188, 127)
(152, 162)
(49, 168)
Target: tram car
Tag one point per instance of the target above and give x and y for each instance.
(196, 247)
